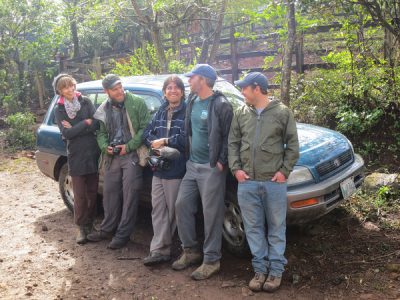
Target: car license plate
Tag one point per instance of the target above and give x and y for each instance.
(348, 188)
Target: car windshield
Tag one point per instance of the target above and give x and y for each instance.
(233, 94)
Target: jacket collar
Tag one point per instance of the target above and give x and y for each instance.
(165, 105)
(271, 105)
(61, 100)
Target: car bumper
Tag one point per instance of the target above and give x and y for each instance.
(46, 163)
(327, 192)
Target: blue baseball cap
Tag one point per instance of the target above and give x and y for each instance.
(204, 70)
(253, 78)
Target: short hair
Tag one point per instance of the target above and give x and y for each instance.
(179, 83)
(210, 83)
(264, 92)
(64, 81)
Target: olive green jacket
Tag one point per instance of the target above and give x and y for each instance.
(262, 145)
(138, 114)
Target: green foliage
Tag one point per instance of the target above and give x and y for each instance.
(20, 134)
(359, 97)
(144, 62)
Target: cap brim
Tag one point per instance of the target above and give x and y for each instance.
(115, 83)
(241, 83)
(189, 74)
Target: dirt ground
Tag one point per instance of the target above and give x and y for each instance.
(335, 257)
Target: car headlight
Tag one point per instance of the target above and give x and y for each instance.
(299, 175)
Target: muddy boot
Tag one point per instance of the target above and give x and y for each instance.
(272, 283)
(88, 228)
(97, 236)
(189, 257)
(156, 258)
(82, 236)
(256, 284)
(206, 271)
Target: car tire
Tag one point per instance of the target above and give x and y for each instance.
(65, 186)
(234, 237)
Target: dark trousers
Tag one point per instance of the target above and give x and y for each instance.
(85, 198)
(122, 181)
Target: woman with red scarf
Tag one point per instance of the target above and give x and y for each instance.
(74, 116)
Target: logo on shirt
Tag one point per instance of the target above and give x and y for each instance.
(204, 114)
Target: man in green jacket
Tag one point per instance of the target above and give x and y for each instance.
(263, 148)
(123, 118)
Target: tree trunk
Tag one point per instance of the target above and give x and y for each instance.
(75, 38)
(157, 42)
(288, 53)
(40, 88)
(217, 33)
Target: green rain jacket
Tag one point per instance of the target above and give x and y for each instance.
(263, 144)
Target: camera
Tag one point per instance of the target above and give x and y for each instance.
(113, 144)
(158, 163)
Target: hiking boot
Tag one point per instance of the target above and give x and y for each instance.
(97, 236)
(272, 283)
(189, 257)
(256, 284)
(82, 236)
(117, 244)
(88, 228)
(155, 258)
(205, 271)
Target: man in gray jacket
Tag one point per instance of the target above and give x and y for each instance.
(208, 118)
(263, 149)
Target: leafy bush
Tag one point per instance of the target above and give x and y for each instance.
(144, 61)
(20, 134)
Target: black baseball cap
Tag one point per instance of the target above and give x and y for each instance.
(253, 78)
(110, 81)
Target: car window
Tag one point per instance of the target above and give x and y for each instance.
(233, 95)
(91, 96)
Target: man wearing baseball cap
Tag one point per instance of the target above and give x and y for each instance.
(208, 118)
(123, 118)
(263, 149)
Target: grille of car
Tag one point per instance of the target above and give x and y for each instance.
(333, 164)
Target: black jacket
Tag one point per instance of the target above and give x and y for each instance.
(82, 149)
(219, 120)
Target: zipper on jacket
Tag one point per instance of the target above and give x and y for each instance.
(255, 144)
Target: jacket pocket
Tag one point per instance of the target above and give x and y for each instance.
(271, 158)
(245, 155)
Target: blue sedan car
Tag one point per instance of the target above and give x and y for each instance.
(327, 172)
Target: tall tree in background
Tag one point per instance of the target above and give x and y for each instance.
(288, 52)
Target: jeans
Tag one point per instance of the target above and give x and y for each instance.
(265, 203)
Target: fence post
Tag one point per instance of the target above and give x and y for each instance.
(300, 54)
(97, 66)
(234, 56)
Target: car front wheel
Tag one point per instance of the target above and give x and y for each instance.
(65, 186)
(233, 229)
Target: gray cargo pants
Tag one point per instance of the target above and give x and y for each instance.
(208, 183)
(122, 182)
(163, 197)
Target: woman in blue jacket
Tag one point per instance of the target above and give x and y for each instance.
(166, 129)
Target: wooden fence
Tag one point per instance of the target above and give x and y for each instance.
(230, 52)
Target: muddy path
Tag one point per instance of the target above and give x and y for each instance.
(335, 257)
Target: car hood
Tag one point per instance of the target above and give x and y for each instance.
(319, 144)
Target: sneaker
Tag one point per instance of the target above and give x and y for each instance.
(98, 236)
(155, 258)
(272, 283)
(82, 236)
(205, 271)
(189, 257)
(256, 284)
(117, 244)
